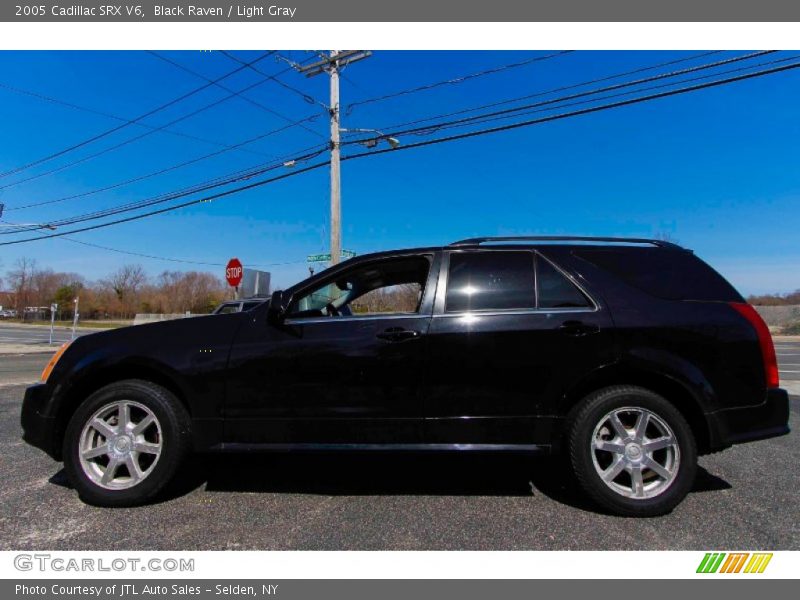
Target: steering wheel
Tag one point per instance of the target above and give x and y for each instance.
(332, 310)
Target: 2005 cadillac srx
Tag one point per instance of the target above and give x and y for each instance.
(631, 356)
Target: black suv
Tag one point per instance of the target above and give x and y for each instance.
(631, 356)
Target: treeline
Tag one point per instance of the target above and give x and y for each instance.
(125, 292)
(775, 299)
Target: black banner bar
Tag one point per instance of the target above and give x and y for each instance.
(407, 10)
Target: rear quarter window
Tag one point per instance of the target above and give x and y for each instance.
(664, 273)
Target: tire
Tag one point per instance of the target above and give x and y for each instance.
(598, 443)
(152, 445)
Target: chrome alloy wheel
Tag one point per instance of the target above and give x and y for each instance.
(120, 445)
(635, 452)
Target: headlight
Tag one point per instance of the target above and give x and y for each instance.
(52, 363)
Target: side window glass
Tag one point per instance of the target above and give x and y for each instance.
(384, 287)
(555, 289)
(400, 298)
(490, 280)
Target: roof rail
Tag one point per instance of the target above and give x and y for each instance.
(564, 238)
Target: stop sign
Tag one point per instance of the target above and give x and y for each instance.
(233, 272)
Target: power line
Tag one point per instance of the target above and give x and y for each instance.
(454, 80)
(86, 109)
(177, 206)
(575, 113)
(481, 119)
(553, 90)
(133, 139)
(160, 199)
(176, 260)
(173, 167)
(108, 132)
(451, 138)
(306, 97)
(510, 111)
(240, 95)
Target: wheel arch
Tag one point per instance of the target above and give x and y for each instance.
(99, 377)
(671, 388)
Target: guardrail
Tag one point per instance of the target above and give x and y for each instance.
(142, 318)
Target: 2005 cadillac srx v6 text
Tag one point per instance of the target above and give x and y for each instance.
(630, 356)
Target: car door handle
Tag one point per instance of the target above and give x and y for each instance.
(578, 328)
(397, 334)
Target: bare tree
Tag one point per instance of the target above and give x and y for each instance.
(126, 283)
(20, 281)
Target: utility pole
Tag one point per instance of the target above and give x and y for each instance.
(332, 65)
(336, 170)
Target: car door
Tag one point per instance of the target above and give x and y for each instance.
(510, 332)
(325, 378)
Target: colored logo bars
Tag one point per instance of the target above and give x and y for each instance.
(734, 562)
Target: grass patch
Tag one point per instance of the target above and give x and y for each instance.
(792, 329)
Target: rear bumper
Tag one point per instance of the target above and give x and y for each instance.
(739, 425)
(38, 428)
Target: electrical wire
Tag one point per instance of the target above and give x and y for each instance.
(133, 139)
(160, 199)
(454, 80)
(481, 119)
(168, 169)
(451, 138)
(560, 99)
(575, 113)
(306, 97)
(100, 113)
(250, 101)
(169, 259)
(554, 90)
(177, 206)
(108, 132)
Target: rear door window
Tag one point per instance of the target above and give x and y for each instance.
(491, 280)
(555, 289)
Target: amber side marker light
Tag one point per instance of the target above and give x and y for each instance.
(52, 362)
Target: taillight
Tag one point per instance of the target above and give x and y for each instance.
(764, 340)
(52, 362)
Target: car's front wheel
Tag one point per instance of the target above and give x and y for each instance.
(632, 451)
(125, 443)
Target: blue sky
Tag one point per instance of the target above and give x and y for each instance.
(717, 169)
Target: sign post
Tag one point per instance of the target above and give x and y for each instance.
(53, 309)
(233, 274)
(75, 316)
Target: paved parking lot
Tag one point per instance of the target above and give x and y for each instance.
(788, 353)
(745, 497)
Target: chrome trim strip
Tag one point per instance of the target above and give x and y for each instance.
(392, 447)
(515, 311)
(348, 319)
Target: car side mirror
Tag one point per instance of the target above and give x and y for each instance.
(278, 305)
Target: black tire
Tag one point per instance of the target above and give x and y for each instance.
(175, 442)
(581, 430)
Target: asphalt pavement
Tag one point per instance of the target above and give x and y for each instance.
(744, 497)
(788, 353)
(37, 335)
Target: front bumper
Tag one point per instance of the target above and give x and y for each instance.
(39, 428)
(739, 425)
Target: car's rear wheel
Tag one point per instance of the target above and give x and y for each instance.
(632, 451)
(125, 442)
